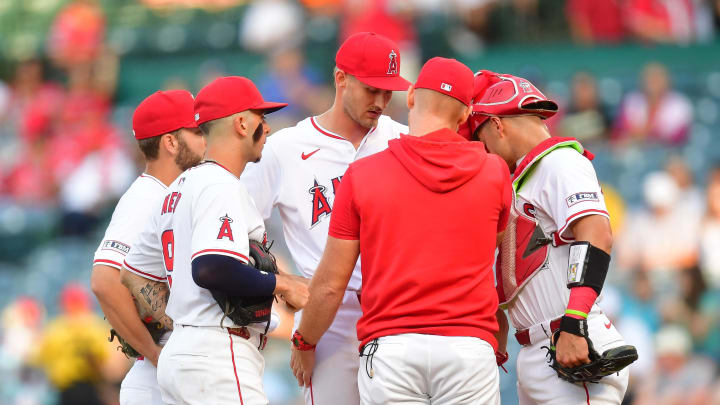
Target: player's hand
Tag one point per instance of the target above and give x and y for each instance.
(293, 290)
(572, 350)
(302, 364)
(153, 356)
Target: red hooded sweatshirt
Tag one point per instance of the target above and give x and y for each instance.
(426, 212)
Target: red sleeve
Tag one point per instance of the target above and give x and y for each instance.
(345, 220)
(506, 198)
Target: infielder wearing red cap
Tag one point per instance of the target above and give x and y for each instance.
(205, 223)
(301, 170)
(169, 139)
(426, 230)
(555, 255)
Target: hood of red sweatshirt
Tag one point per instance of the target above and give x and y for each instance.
(442, 160)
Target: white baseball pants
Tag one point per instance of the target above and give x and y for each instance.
(429, 369)
(207, 365)
(538, 384)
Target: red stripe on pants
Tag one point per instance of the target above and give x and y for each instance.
(237, 380)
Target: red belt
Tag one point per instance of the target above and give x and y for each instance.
(244, 333)
(523, 336)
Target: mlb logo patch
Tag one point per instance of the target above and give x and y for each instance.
(446, 87)
(580, 197)
(197, 116)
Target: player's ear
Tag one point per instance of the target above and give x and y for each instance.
(340, 79)
(465, 115)
(169, 142)
(411, 97)
(240, 124)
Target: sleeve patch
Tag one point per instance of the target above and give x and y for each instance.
(116, 246)
(581, 197)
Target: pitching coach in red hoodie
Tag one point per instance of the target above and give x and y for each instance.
(424, 215)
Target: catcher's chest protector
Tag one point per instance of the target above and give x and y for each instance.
(525, 248)
(523, 251)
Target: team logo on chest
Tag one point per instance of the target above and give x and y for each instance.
(392, 65)
(225, 229)
(320, 204)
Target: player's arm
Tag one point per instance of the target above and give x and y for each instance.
(327, 289)
(593, 241)
(151, 296)
(119, 308)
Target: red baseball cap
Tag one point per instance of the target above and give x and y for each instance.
(373, 59)
(163, 112)
(230, 95)
(447, 76)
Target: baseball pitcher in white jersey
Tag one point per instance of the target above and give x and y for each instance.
(301, 169)
(555, 252)
(170, 141)
(206, 221)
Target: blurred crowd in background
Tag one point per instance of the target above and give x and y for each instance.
(71, 73)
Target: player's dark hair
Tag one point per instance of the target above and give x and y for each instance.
(150, 147)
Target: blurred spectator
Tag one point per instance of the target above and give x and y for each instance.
(20, 325)
(291, 80)
(268, 24)
(77, 33)
(390, 18)
(690, 199)
(31, 107)
(593, 21)
(74, 348)
(88, 158)
(663, 21)
(679, 378)
(660, 240)
(655, 114)
(585, 119)
(710, 232)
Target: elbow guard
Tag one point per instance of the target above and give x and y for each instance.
(587, 266)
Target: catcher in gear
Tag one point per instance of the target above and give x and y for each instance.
(554, 254)
(243, 310)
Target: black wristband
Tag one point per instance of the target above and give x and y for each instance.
(574, 326)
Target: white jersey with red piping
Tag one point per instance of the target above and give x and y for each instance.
(561, 189)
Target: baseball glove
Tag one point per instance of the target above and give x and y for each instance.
(243, 310)
(156, 329)
(610, 362)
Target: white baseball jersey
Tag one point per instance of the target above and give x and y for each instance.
(562, 188)
(146, 256)
(128, 220)
(300, 170)
(206, 211)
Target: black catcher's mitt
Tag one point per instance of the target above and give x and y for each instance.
(156, 329)
(610, 362)
(244, 311)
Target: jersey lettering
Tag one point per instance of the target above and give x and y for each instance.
(170, 203)
(225, 230)
(320, 204)
(168, 248)
(529, 210)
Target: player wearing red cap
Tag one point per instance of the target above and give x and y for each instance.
(428, 326)
(170, 141)
(300, 172)
(206, 222)
(554, 255)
